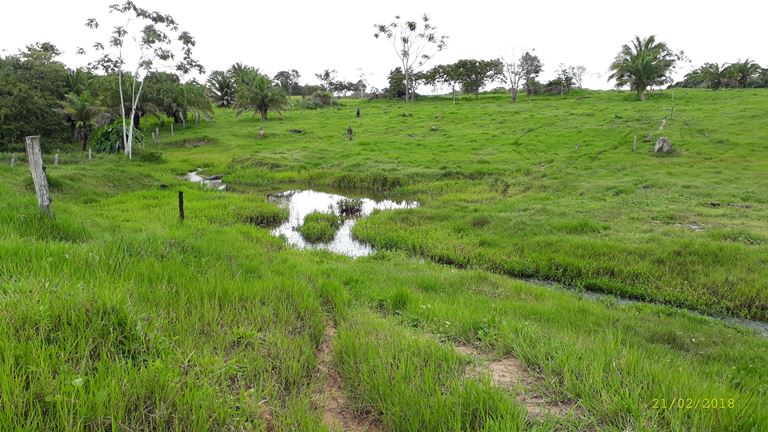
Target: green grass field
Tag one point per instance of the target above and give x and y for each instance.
(118, 317)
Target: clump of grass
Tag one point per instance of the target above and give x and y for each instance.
(320, 227)
(350, 206)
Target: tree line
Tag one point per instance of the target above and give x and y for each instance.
(106, 101)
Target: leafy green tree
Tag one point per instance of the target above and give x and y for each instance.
(257, 93)
(31, 85)
(221, 88)
(446, 74)
(474, 74)
(415, 43)
(716, 76)
(240, 71)
(289, 81)
(531, 68)
(643, 64)
(745, 72)
(81, 111)
(396, 80)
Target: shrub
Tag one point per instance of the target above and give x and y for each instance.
(109, 139)
(322, 98)
(350, 206)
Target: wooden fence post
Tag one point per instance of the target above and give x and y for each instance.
(13, 161)
(171, 129)
(157, 133)
(36, 167)
(181, 206)
(56, 158)
(90, 155)
(634, 144)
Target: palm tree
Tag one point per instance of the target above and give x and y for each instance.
(81, 111)
(257, 93)
(78, 80)
(745, 71)
(198, 103)
(221, 88)
(644, 64)
(716, 76)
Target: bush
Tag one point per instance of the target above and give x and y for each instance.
(322, 98)
(319, 227)
(350, 206)
(109, 139)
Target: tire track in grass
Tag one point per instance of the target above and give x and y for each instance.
(511, 374)
(337, 414)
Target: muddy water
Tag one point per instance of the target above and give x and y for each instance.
(300, 203)
(213, 182)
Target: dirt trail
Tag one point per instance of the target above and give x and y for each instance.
(512, 374)
(337, 414)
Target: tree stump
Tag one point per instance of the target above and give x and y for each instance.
(37, 169)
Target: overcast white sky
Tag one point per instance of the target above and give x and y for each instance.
(313, 35)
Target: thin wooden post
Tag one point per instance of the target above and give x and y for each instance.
(171, 129)
(90, 155)
(37, 168)
(13, 161)
(634, 144)
(157, 133)
(154, 138)
(181, 206)
(56, 158)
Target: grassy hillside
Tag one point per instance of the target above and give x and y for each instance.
(116, 316)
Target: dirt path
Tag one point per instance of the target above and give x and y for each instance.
(512, 374)
(337, 414)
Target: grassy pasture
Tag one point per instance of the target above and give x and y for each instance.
(118, 317)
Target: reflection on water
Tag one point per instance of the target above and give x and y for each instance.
(300, 203)
(213, 182)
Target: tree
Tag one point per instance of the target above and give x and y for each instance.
(330, 83)
(221, 88)
(31, 85)
(474, 74)
(744, 72)
(643, 64)
(154, 35)
(716, 76)
(257, 93)
(396, 80)
(564, 80)
(513, 74)
(289, 81)
(415, 44)
(78, 80)
(577, 73)
(531, 68)
(197, 101)
(81, 111)
(443, 75)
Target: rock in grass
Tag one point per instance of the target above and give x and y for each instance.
(320, 227)
(663, 145)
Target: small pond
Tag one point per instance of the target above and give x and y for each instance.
(300, 203)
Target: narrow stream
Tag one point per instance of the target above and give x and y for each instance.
(300, 203)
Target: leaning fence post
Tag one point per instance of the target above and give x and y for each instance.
(37, 168)
(634, 144)
(181, 206)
